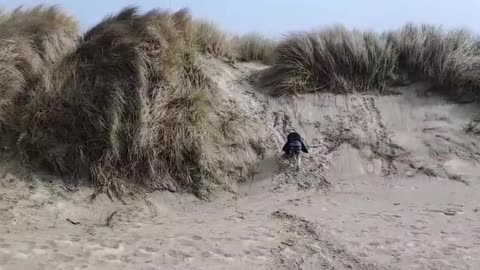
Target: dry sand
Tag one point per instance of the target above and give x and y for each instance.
(390, 183)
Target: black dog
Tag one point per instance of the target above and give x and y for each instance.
(294, 146)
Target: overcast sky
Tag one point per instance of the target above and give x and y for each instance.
(276, 17)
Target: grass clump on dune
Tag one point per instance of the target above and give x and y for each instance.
(211, 40)
(333, 59)
(426, 52)
(31, 40)
(256, 48)
(127, 108)
(343, 61)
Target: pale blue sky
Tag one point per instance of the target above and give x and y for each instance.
(276, 17)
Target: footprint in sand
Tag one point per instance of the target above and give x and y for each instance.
(63, 258)
(52, 244)
(207, 254)
(186, 242)
(256, 255)
(126, 260)
(110, 245)
(221, 253)
(75, 240)
(447, 250)
(180, 255)
(43, 247)
(150, 249)
(420, 234)
(100, 263)
(196, 237)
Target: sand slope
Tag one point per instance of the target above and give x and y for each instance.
(390, 183)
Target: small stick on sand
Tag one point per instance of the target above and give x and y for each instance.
(109, 219)
(73, 222)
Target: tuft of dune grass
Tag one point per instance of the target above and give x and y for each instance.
(426, 52)
(450, 60)
(254, 47)
(126, 105)
(127, 108)
(343, 61)
(211, 40)
(31, 40)
(334, 59)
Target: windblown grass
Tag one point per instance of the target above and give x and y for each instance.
(31, 40)
(211, 40)
(256, 48)
(127, 108)
(334, 59)
(342, 61)
(445, 58)
(126, 105)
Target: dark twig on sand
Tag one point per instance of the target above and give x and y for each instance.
(108, 221)
(73, 222)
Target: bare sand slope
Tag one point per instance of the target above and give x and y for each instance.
(390, 183)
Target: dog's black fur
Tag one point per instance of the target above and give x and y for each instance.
(292, 139)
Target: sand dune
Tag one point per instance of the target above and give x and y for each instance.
(391, 182)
